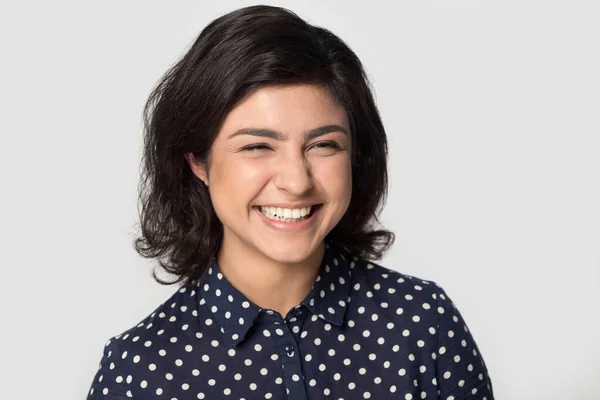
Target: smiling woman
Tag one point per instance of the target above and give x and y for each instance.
(265, 169)
(296, 161)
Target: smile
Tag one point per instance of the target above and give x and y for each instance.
(288, 219)
(287, 214)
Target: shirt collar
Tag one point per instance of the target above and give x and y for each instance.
(236, 314)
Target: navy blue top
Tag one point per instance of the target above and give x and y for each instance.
(362, 332)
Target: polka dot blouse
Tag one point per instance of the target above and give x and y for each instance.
(363, 332)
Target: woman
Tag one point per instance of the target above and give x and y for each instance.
(264, 173)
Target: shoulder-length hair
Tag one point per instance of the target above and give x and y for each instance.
(233, 56)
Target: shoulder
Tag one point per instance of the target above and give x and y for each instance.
(460, 367)
(171, 316)
(394, 292)
(125, 352)
(373, 278)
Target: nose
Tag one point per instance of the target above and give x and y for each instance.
(293, 176)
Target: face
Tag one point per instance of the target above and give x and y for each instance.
(282, 147)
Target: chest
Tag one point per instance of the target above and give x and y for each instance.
(306, 359)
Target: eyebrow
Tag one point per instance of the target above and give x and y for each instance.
(268, 133)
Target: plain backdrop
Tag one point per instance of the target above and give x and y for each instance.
(492, 111)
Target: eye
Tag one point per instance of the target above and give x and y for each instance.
(262, 146)
(332, 145)
(253, 147)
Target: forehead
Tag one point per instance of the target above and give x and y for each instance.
(290, 108)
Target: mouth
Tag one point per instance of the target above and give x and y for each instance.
(288, 215)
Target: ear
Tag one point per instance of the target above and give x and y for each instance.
(197, 168)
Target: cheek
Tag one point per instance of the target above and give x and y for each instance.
(236, 180)
(335, 179)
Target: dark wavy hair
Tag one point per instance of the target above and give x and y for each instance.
(233, 56)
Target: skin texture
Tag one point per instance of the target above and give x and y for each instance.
(276, 269)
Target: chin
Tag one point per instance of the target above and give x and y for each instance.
(290, 253)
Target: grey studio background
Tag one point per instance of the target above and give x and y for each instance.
(492, 112)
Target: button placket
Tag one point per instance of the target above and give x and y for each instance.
(293, 376)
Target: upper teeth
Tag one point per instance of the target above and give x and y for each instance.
(287, 212)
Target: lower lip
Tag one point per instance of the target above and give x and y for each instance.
(297, 226)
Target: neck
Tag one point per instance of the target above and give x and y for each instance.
(268, 283)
